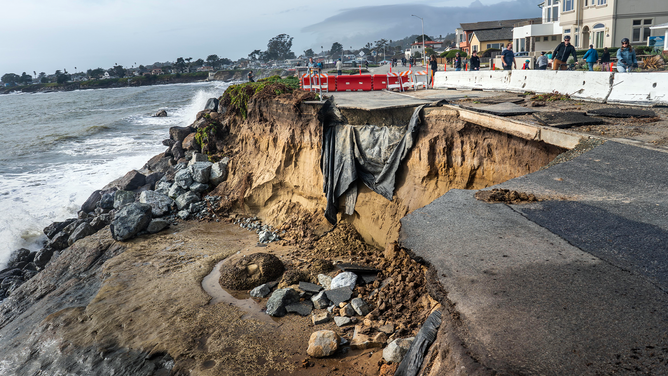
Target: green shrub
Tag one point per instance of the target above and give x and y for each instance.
(451, 54)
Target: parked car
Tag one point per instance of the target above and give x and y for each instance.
(522, 53)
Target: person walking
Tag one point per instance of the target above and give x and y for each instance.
(339, 64)
(605, 60)
(542, 61)
(458, 62)
(433, 65)
(508, 58)
(561, 54)
(250, 76)
(626, 57)
(474, 63)
(591, 57)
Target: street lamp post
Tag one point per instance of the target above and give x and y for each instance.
(424, 61)
(423, 50)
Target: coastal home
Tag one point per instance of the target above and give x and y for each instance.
(604, 23)
(156, 71)
(466, 30)
(543, 35)
(417, 47)
(482, 40)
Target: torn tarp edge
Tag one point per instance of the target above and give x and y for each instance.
(342, 163)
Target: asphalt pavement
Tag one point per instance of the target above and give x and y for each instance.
(572, 285)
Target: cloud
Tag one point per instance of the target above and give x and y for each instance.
(358, 26)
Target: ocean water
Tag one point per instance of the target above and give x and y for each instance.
(59, 147)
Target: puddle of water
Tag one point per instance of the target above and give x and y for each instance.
(253, 310)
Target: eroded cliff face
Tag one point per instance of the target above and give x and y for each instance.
(276, 154)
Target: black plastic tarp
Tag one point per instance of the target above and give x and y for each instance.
(367, 152)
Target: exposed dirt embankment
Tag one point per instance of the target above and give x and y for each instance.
(275, 169)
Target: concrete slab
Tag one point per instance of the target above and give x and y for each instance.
(528, 301)
(621, 112)
(502, 109)
(373, 100)
(563, 120)
(574, 285)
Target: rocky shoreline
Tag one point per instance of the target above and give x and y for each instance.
(180, 185)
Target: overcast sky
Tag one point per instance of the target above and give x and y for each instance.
(45, 35)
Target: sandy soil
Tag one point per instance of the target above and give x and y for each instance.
(152, 300)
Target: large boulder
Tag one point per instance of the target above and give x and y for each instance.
(153, 178)
(183, 178)
(20, 256)
(130, 220)
(132, 180)
(184, 200)
(157, 225)
(51, 230)
(107, 201)
(175, 191)
(250, 271)
(219, 171)
(91, 202)
(190, 142)
(178, 134)
(81, 232)
(323, 343)
(122, 198)
(59, 241)
(177, 151)
(201, 171)
(160, 203)
(161, 113)
(279, 299)
(212, 104)
(43, 257)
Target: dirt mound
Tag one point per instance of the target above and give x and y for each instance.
(504, 195)
(251, 271)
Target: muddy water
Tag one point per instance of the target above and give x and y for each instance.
(244, 302)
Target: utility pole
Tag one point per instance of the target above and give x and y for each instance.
(424, 52)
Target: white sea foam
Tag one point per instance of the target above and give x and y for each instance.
(51, 184)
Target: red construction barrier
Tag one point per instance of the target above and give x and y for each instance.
(354, 83)
(379, 82)
(327, 82)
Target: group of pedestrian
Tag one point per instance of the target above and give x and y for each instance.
(626, 57)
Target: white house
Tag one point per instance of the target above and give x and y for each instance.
(535, 37)
(604, 23)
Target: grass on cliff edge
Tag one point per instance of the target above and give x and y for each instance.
(236, 97)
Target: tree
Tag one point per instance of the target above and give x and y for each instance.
(180, 64)
(255, 55)
(26, 78)
(279, 48)
(10, 78)
(95, 73)
(429, 51)
(117, 71)
(309, 53)
(380, 44)
(198, 63)
(142, 69)
(225, 61)
(61, 77)
(42, 77)
(337, 49)
(213, 60)
(420, 37)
